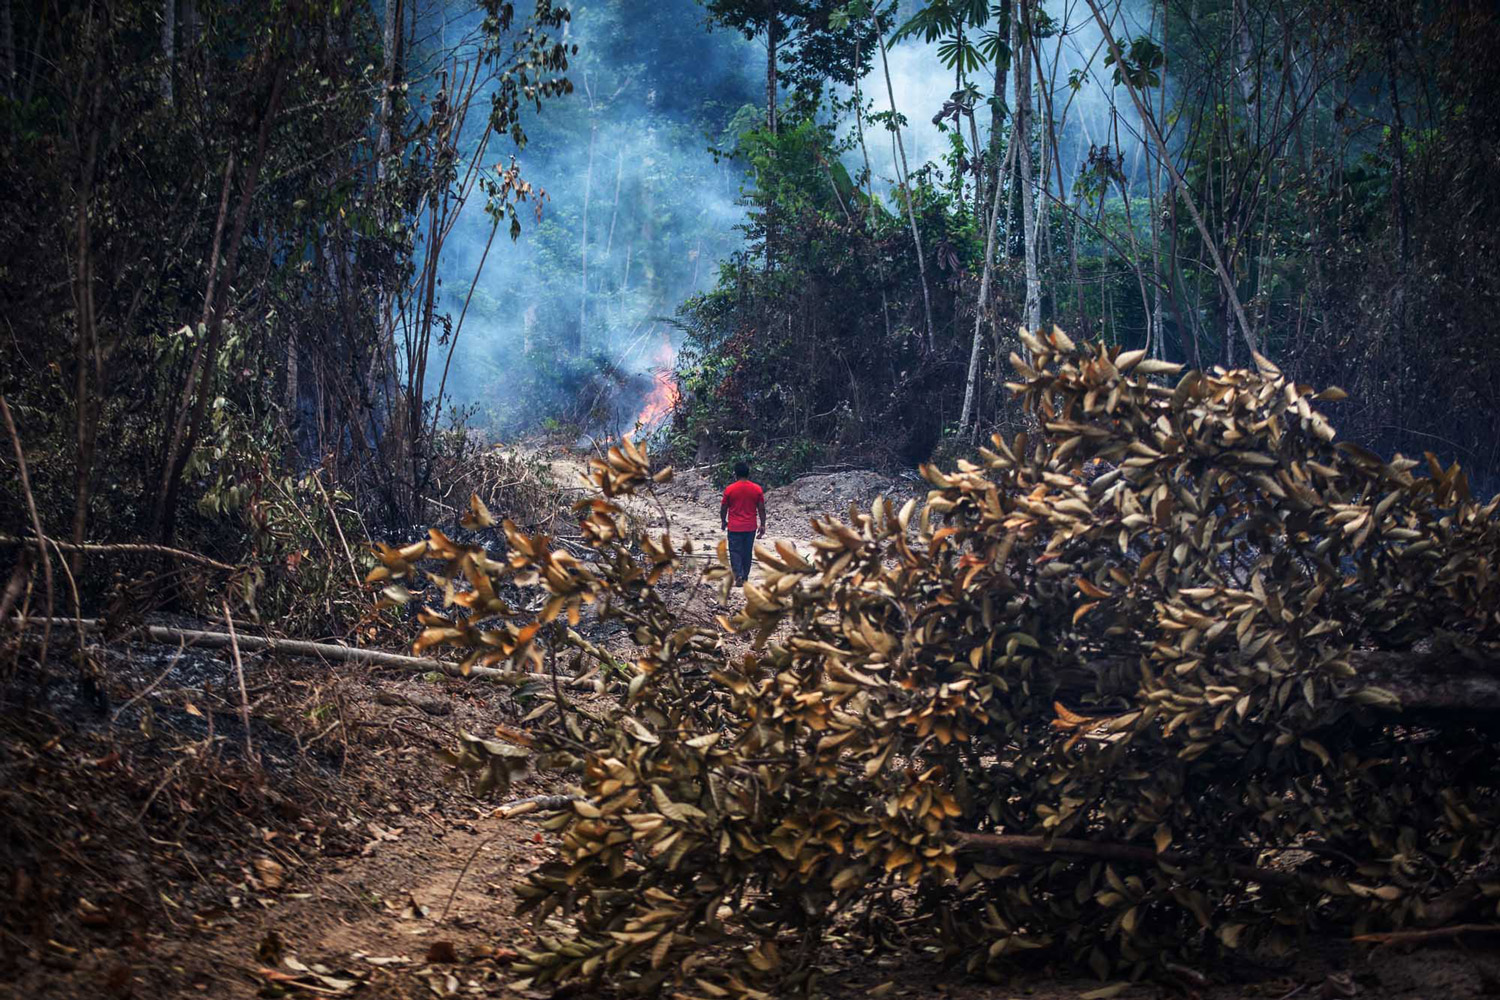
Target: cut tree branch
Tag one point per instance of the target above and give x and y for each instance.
(1029, 845)
(324, 651)
(122, 548)
(1444, 680)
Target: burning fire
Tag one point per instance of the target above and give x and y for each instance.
(662, 398)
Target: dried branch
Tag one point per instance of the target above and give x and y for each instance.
(325, 651)
(1426, 937)
(123, 548)
(36, 525)
(239, 674)
(1029, 845)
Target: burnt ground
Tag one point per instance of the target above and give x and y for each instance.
(146, 851)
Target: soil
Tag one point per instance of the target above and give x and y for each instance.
(153, 848)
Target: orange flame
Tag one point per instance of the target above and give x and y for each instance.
(662, 398)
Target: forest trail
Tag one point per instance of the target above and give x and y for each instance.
(398, 882)
(395, 881)
(378, 921)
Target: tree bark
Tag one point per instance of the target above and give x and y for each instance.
(614, 210)
(859, 124)
(773, 27)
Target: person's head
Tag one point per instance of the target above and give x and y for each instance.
(742, 470)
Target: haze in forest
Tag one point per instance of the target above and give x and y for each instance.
(647, 141)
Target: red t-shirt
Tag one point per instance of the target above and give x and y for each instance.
(742, 499)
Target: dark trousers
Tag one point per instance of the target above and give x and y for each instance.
(741, 552)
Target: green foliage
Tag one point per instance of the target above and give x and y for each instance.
(815, 356)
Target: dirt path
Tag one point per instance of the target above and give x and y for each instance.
(404, 886)
(378, 921)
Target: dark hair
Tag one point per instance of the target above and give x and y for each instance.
(742, 469)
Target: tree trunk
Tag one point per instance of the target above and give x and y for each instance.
(772, 28)
(289, 397)
(7, 50)
(1398, 176)
(583, 238)
(1178, 184)
(87, 357)
(168, 46)
(614, 211)
(981, 307)
(1022, 135)
(205, 359)
(859, 124)
(389, 30)
(382, 363)
(904, 176)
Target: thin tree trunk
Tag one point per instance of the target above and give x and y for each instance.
(390, 44)
(1022, 134)
(382, 363)
(7, 50)
(583, 239)
(911, 212)
(87, 356)
(1398, 142)
(168, 46)
(185, 434)
(1002, 82)
(289, 398)
(981, 308)
(772, 29)
(1178, 184)
(859, 124)
(614, 211)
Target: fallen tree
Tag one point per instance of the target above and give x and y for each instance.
(1174, 675)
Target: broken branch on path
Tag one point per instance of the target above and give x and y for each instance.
(1426, 937)
(36, 521)
(534, 803)
(121, 548)
(325, 651)
(1031, 845)
(1456, 679)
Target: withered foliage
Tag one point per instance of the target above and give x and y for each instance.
(1106, 697)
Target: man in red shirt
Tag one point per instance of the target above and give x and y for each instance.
(744, 505)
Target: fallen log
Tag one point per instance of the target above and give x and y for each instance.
(1437, 934)
(1454, 679)
(1029, 846)
(324, 651)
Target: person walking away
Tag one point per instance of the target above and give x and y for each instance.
(742, 513)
